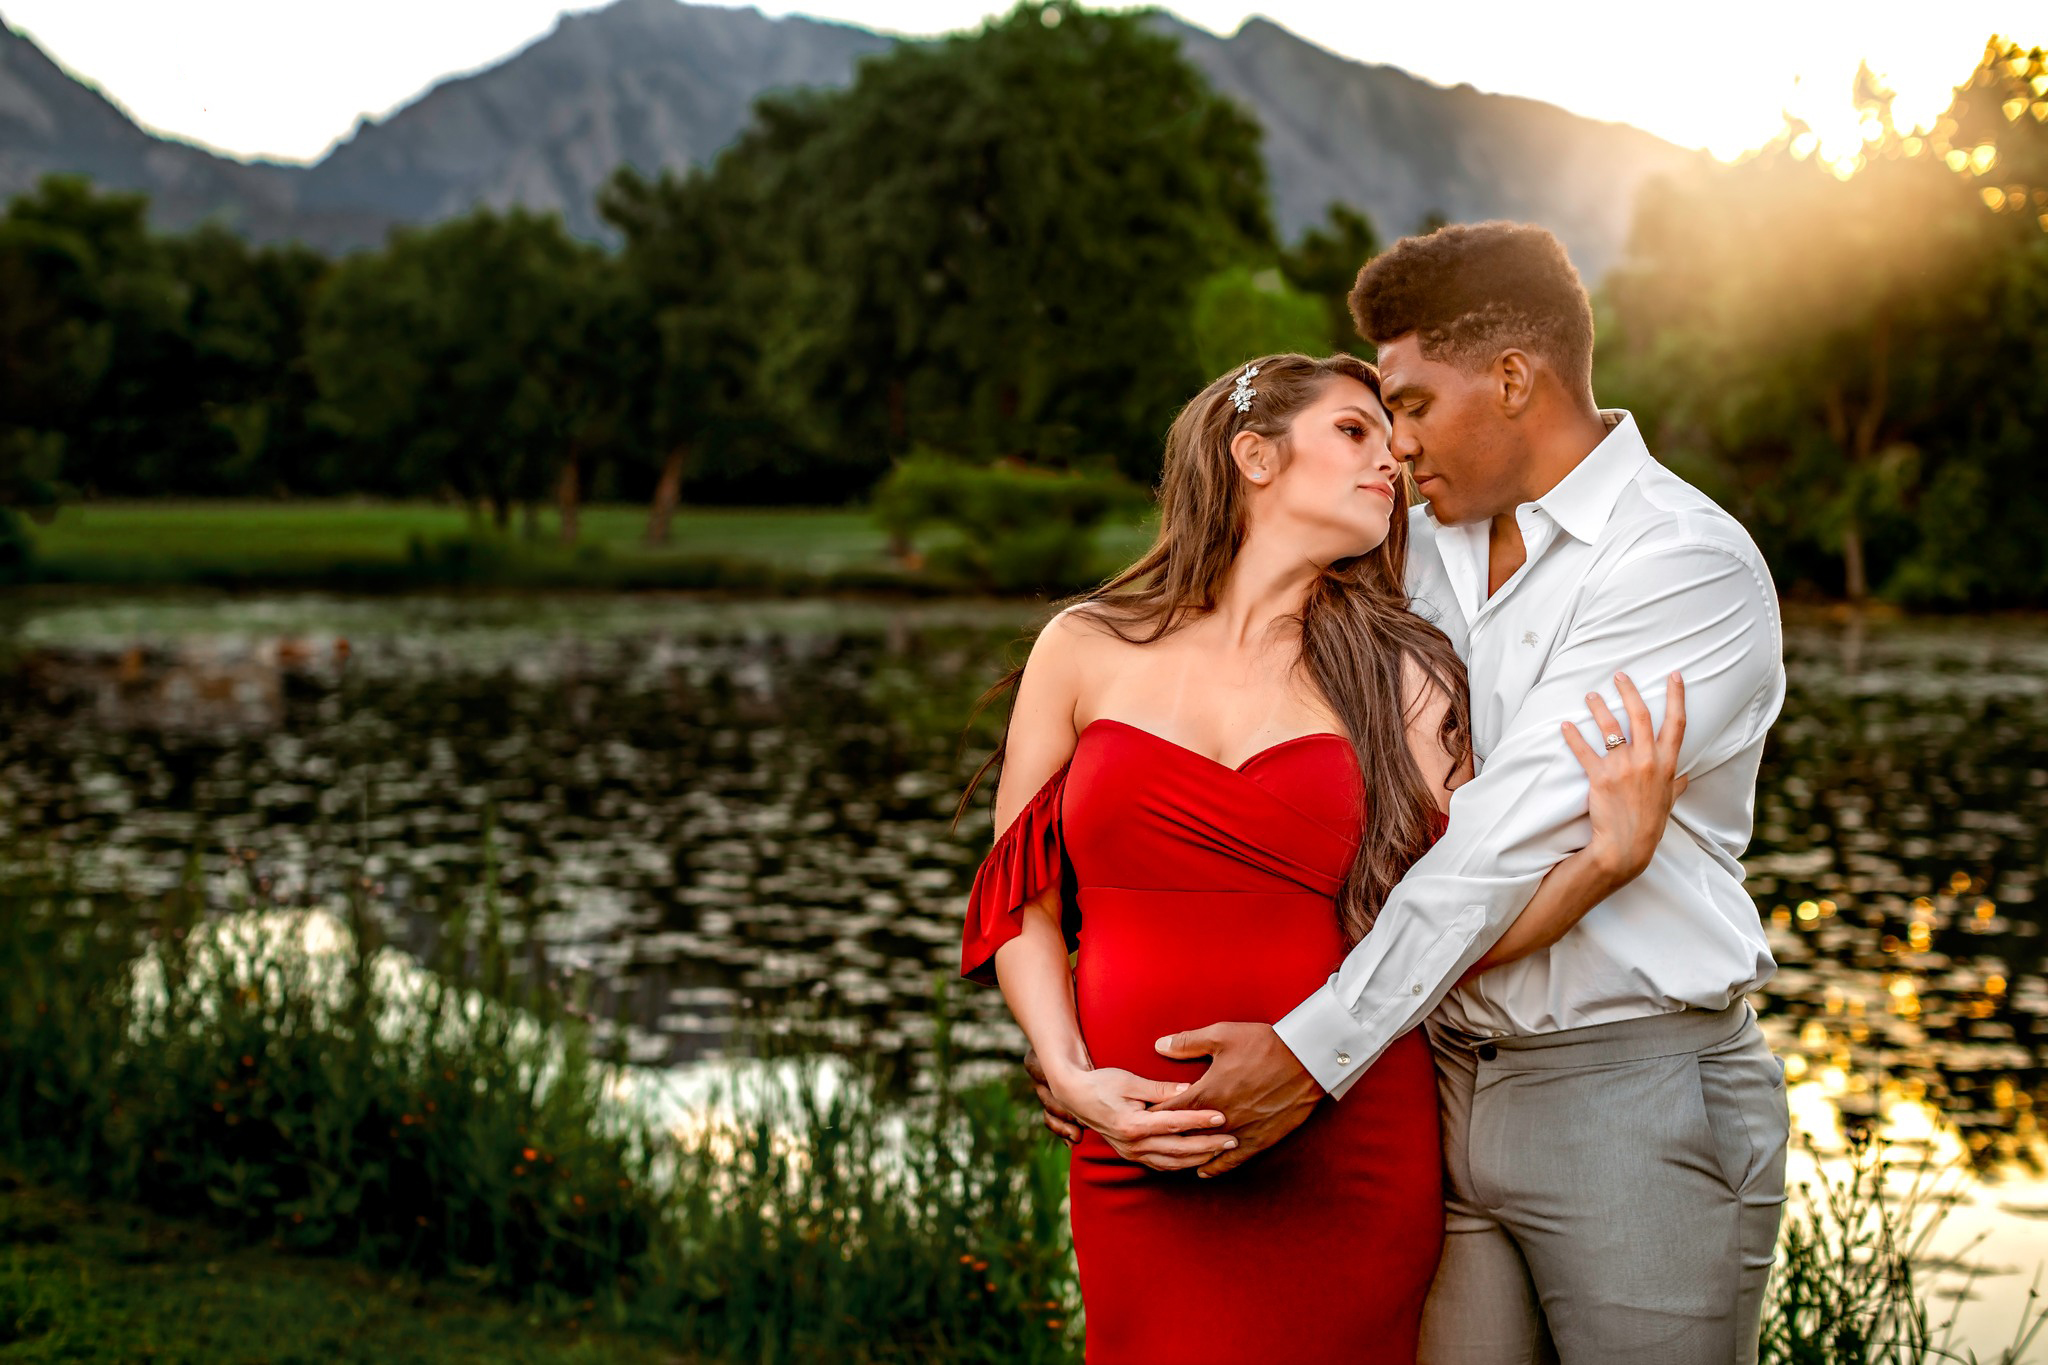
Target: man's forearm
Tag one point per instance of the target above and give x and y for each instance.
(1570, 889)
(1336, 1044)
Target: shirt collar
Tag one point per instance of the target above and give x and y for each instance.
(1584, 499)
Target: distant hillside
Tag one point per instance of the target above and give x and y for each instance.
(659, 83)
(646, 83)
(1401, 148)
(52, 122)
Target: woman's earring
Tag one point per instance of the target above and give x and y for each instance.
(1259, 474)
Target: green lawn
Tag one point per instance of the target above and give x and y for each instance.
(346, 540)
(310, 534)
(98, 1282)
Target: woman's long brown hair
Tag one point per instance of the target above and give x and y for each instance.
(1355, 630)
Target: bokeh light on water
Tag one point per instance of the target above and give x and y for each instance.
(1898, 858)
(726, 811)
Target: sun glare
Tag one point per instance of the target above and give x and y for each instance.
(1808, 70)
(1839, 131)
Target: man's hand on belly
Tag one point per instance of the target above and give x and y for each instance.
(1145, 1136)
(1253, 1078)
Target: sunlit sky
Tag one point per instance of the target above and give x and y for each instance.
(287, 78)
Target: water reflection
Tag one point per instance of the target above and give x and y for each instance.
(1897, 859)
(718, 808)
(1976, 1230)
(706, 805)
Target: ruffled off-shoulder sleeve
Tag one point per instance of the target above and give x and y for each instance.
(1030, 856)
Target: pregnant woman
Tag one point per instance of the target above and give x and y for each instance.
(1216, 766)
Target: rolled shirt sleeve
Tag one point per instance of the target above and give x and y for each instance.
(1702, 609)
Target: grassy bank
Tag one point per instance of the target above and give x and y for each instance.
(279, 1076)
(101, 1280)
(367, 545)
(213, 1125)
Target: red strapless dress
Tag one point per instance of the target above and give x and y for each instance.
(1199, 894)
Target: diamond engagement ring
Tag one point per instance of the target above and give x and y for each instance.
(1616, 740)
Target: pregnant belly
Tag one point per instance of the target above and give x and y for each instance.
(1156, 962)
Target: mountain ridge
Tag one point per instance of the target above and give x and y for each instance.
(662, 85)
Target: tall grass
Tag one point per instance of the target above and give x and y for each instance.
(326, 1098)
(282, 1075)
(1846, 1290)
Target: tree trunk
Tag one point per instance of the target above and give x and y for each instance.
(899, 416)
(668, 492)
(1857, 432)
(529, 519)
(1855, 580)
(569, 498)
(501, 511)
(1862, 452)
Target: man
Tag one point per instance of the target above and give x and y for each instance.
(1614, 1125)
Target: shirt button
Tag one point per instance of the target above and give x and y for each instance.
(1343, 1059)
(1415, 989)
(1487, 1052)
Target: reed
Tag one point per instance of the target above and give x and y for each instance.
(1846, 1288)
(282, 1075)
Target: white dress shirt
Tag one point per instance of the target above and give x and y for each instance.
(1630, 569)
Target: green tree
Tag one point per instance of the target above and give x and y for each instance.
(1781, 297)
(53, 348)
(156, 363)
(591, 369)
(698, 294)
(989, 244)
(439, 357)
(242, 384)
(1976, 524)
(1324, 264)
(1855, 345)
(93, 320)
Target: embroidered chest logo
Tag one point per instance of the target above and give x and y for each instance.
(1529, 637)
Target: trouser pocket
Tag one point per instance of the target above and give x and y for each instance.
(1742, 1089)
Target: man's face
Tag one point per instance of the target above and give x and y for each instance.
(1450, 429)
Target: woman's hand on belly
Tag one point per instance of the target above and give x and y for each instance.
(1118, 1105)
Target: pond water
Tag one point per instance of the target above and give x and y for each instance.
(733, 815)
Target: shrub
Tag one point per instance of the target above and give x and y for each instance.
(1014, 528)
(17, 548)
(1242, 313)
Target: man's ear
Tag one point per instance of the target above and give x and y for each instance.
(1514, 378)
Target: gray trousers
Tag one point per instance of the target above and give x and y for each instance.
(1612, 1193)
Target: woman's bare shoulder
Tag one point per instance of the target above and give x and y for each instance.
(1066, 652)
(1079, 631)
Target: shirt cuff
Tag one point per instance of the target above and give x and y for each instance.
(1326, 1040)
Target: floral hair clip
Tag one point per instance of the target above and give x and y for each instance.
(1242, 394)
